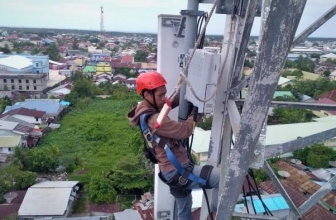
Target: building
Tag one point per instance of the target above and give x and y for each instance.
(8, 143)
(30, 83)
(100, 57)
(9, 44)
(24, 63)
(48, 199)
(295, 56)
(325, 57)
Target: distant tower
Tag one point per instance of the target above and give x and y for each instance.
(102, 29)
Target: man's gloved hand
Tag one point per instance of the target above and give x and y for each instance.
(190, 108)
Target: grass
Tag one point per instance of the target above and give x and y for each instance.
(97, 136)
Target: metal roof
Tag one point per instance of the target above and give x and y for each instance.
(50, 107)
(55, 184)
(49, 198)
(127, 214)
(278, 134)
(15, 61)
(273, 202)
(7, 125)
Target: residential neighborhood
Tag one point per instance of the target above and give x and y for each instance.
(49, 79)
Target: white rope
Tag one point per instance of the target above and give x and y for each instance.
(185, 70)
(183, 75)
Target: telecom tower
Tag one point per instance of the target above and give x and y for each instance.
(102, 28)
(238, 137)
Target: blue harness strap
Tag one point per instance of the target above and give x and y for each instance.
(150, 138)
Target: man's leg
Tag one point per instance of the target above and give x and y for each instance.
(184, 207)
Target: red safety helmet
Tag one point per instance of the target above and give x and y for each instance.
(150, 81)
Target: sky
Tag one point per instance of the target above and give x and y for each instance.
(139, 16)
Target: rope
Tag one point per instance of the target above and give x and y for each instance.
(185, 70)
(183, 75)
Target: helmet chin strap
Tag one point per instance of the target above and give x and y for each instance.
(154, 105)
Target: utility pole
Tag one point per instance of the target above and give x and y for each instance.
(189, 42)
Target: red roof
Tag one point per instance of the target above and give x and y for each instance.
(127, 59)
(26, 112)
(12, 208)
(330, 95)
(317, 212)
(106, 208)
(327, 101)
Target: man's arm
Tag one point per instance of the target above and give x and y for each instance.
(173, 129)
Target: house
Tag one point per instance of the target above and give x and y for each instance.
(89, 70)
(324, 113)
(9, 44)
(333, 75)
(48, 199)
(200, 145)
(284, 81)
(274, 202)
(28, 115)
(329, 95)
(60, 91)
(24, 63)
(128, 58)
(52, 107)
(317, 212)
(30, 133)
(325, 57)
(103, 67)
(295, 56)
(8, 143)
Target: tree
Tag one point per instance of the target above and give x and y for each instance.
(289, 116)
(319, 156)
(302, 154)
(326, 73)
(140, 56)
(52, 51)
(5, 49)
(85, 88)
(75, 44)
(43, 160)
(5, 102)
(24, 179)
(3, 190)
(128, 174)
(100, 190)
(205, 124)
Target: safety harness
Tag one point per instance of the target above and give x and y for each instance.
(184, 175)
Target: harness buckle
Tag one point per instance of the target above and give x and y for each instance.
(182, 180)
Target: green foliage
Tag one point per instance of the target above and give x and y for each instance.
(297, 73)
(52, 51)
(205, 124)
(3, 189)
(302, 154)
(100, 190)
(16, 179)
(5, 102)
(140, 56)
(127, 174)
(5, 50)
(85, 88)
(304, 64)
(288, 116)
(75, 44)
(94, 154)
(329, 60)
(43, 160)
(317, 155)
(249, 64)
(320, 155)
(326, 73)
(313, 88)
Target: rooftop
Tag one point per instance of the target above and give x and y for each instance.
(16, 62)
